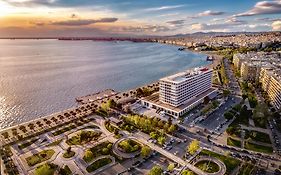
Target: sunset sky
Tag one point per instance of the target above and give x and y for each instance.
(135, 17)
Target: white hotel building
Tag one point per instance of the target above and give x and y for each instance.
(181, 92)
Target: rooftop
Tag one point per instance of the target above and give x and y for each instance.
(182, 76)
(154, 98)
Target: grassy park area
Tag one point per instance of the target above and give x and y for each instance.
(258, 148)
(129, 146)
(46, 169)
(40, 157)
(98, 164)
(28, 143)
(207, 166)
(233, 142)
(246, 169)
(229, 162)
(104, 148)
(258, 136)
(84, 137)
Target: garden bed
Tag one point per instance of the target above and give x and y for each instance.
(40, 157)
(98, 164)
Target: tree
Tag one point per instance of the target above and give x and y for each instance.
(153, 135)
(145, 151)
(172, 128)
(193, 147)
(230, 130)
(171, 167)
(156, 170)
(161, 140)
(225, 93)
(187, 172)
(111, 103)
(228, 116)
(88, 155)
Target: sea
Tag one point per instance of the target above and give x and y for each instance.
(40, 77)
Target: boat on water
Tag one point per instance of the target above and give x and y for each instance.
(181, 48)
(210, 58)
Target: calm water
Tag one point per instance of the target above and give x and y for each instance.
(39, 77)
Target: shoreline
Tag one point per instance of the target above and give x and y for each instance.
(41, 118)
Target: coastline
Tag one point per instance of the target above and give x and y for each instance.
(42, 118)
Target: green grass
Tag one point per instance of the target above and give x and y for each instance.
(40, 157)
(129, 146)
(28, 143)
(83, 137)
(63, 130)
(55, 143)
(229, 162)
(68, 154)
(206, 166)
(98, 150)
(98, 164)
(246, 169)
(46, 169)
(233, 142)
(259, 137)
(258, 148)
(65, 171)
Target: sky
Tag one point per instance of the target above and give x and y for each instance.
(54, 18)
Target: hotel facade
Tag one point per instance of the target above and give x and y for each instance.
(181, 92)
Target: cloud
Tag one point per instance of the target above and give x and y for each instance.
(276, 25)
(176, 22)
(163, 8)
(84, 22)
(210, 13)
(263, 7)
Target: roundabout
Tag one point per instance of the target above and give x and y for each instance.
(133, 149)
(210, 165)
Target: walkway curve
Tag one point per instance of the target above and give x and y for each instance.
(221, 165)
(122, 154)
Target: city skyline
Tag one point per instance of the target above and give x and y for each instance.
(53, 18)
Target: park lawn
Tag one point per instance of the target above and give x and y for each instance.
(28, 143)
(65, 171)
(98, 164)
(63, 130)
(97, 151)
(260, 137)
(258, 148)
(229, 162)
(40, 157)
(83, 137)
(206, 166)
(233, 142)
(68, 154)
(46, 169)
(129, 146)
(246, 169)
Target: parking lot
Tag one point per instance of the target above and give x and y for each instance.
(215, 119)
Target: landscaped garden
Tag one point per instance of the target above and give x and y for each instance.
(40, 157)
(258, 136)
(84, 137)
(98, 164)
(65, 171)
(229, 162)
(27, 143)
(46, 169)
(258, 148)
(208, 166)
(55, 143)
(233, 142)
(129, 146)
(104, 148)
(69, 153)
